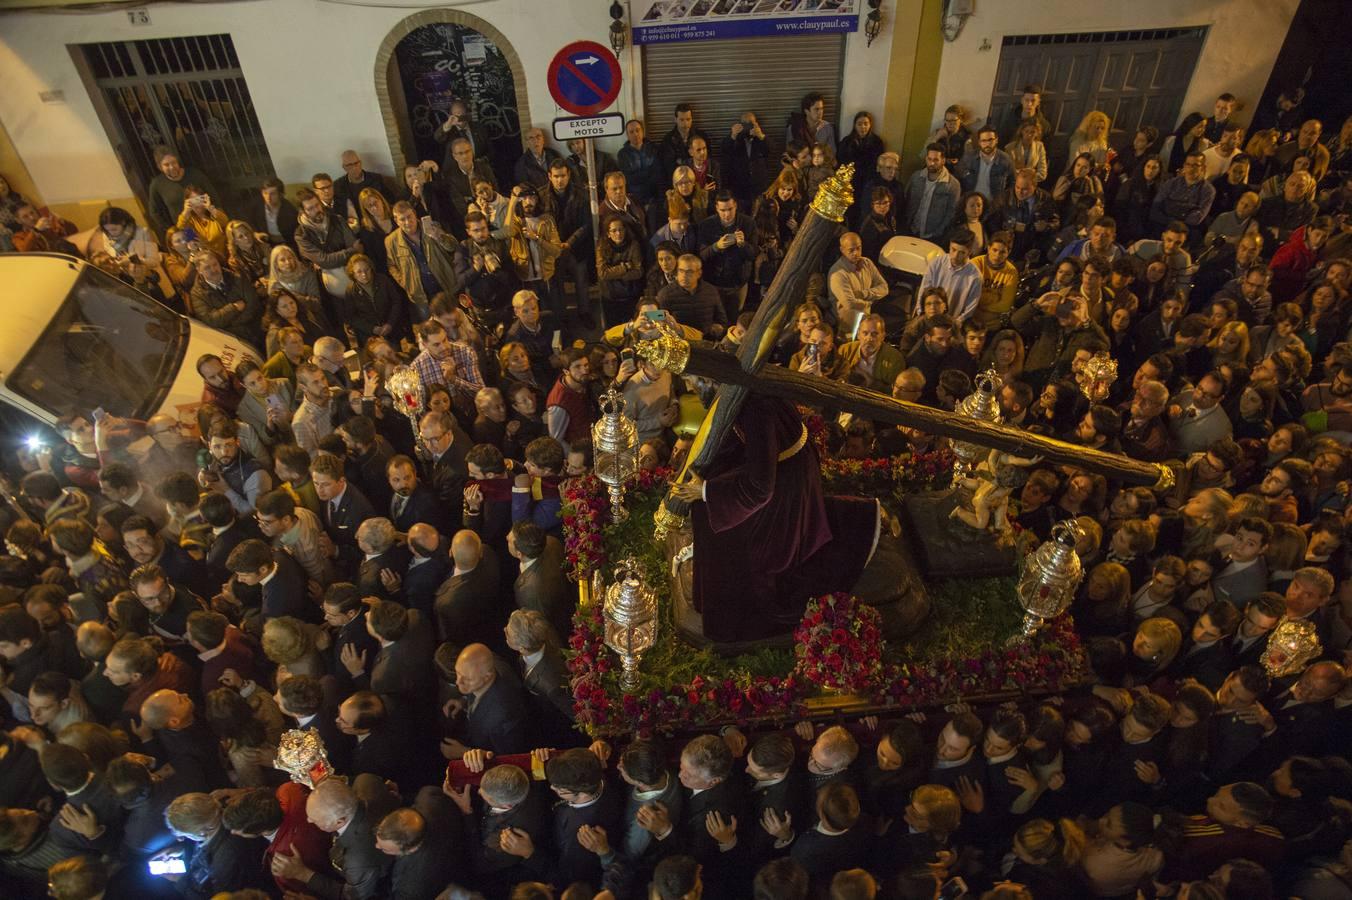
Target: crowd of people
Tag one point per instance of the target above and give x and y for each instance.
(175, 595)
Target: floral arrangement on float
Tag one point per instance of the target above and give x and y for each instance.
(964, 652)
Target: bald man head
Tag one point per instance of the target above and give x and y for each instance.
(167, 709)
(423, 539)
(466, 550)
(474, 672)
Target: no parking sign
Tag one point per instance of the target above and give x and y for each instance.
(584, 78)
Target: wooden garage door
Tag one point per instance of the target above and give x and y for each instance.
(1137, 77)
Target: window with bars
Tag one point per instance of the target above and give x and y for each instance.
(186, 92)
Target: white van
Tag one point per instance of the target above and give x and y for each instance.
(73, 339)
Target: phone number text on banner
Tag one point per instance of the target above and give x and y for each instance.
(716, 29)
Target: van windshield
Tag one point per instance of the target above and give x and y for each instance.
(108, 346)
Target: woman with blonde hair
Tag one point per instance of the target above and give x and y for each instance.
(1153, 647)
(684, 190)
(1262, 152)
(375, 223)
(1006, 352)
(1230, 346)
(934, 810)
(1045, 857)
(778, 211)
(292, 646)
(1206, 516)
(1092, 138)
(286, 272)
(247, 256)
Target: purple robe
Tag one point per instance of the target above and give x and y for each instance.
(766, 538)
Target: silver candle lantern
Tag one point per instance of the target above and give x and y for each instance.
(1050, 576)
(631, 620)
(614, 450)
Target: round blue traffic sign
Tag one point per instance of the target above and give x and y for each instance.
(584, 78)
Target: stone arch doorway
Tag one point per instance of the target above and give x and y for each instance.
(434, 56)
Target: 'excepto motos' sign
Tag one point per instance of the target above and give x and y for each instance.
(605, 125)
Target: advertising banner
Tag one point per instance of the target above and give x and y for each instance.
(668, 21)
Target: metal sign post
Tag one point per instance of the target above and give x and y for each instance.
(591, 192)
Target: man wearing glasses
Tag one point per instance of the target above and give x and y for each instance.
(1197, 419)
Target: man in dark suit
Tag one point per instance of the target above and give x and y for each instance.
(497, 713)
(229, 532)
(271, 214)
(344, 508)
(542, 585)
(468, 607)
(145, 545)
(510, 804)
(383, 555)
(411, 501)
(302, 698)
(544, 674)
(1244, 576)
(367, 456)
(379, 749)
(706, 773)
(444, 466)
(269, 583)
(335, 808)
(773, 784)
(1208, 658)
(1261, 615)
(402, 671)
(579, 780)
(182, 740)
(1156, 330)
(429, 565)
(425, 844)
(344, 614)
(835, 844)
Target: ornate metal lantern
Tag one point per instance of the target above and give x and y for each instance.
(406, 390)
(982, 405)
(1292, 644)
(631, 620)
(1097, 376)
(614, 450)
(301, 755)
(1050, 576)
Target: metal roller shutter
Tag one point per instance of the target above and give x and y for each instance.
(723, 79)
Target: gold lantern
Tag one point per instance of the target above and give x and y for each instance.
(301, 754)
(1292, 644)
(1097, 376)
(1050, 576)
(631, 620)
(982, 405)
(614, 450)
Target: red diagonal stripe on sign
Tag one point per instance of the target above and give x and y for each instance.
(586, 82)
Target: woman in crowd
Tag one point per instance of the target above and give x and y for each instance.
(1134, 199)
(1005, 351)
(1101, 609)
(619, 270)
(879, 224)
(861, 146)
(285, 308)
(1261, 150)
(1091, 138)
(120, 237)
(374, 304)
(685, 192)
(663, 270)
(375, 222)
(287, 273)
(1079, 181)
(1028, 152)
(1188, 137)
(974, 206)
(248, 256)
(204, 220)
(823, 167)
